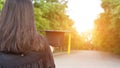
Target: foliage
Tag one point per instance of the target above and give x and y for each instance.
(51, 15)
(1, 4)
(106, 34)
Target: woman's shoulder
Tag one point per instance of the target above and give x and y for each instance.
(13, 60)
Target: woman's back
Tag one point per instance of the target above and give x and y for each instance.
(13, 61)
(18, 35)
(31, 59)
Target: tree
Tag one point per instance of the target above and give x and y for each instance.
(1, 4)
(51, 14)
(107, 27)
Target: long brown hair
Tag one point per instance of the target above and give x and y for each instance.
(17, 29)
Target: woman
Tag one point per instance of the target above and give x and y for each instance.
(18, 35)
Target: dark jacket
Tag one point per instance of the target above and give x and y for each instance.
(32, 59)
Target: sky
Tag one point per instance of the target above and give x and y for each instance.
(83, 13)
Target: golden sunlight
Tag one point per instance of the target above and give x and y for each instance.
(83, 13)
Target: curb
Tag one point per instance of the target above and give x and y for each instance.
(59, 53)
(62, 53)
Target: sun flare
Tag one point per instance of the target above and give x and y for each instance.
(84, 27)
(83, 13)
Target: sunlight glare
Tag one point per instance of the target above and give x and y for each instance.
(83, 13)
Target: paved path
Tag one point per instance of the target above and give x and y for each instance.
(87, 59)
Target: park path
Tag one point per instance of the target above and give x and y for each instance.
(87, 59)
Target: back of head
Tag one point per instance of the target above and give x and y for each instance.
(17, 27)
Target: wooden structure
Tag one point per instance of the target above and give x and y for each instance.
(56, 38)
